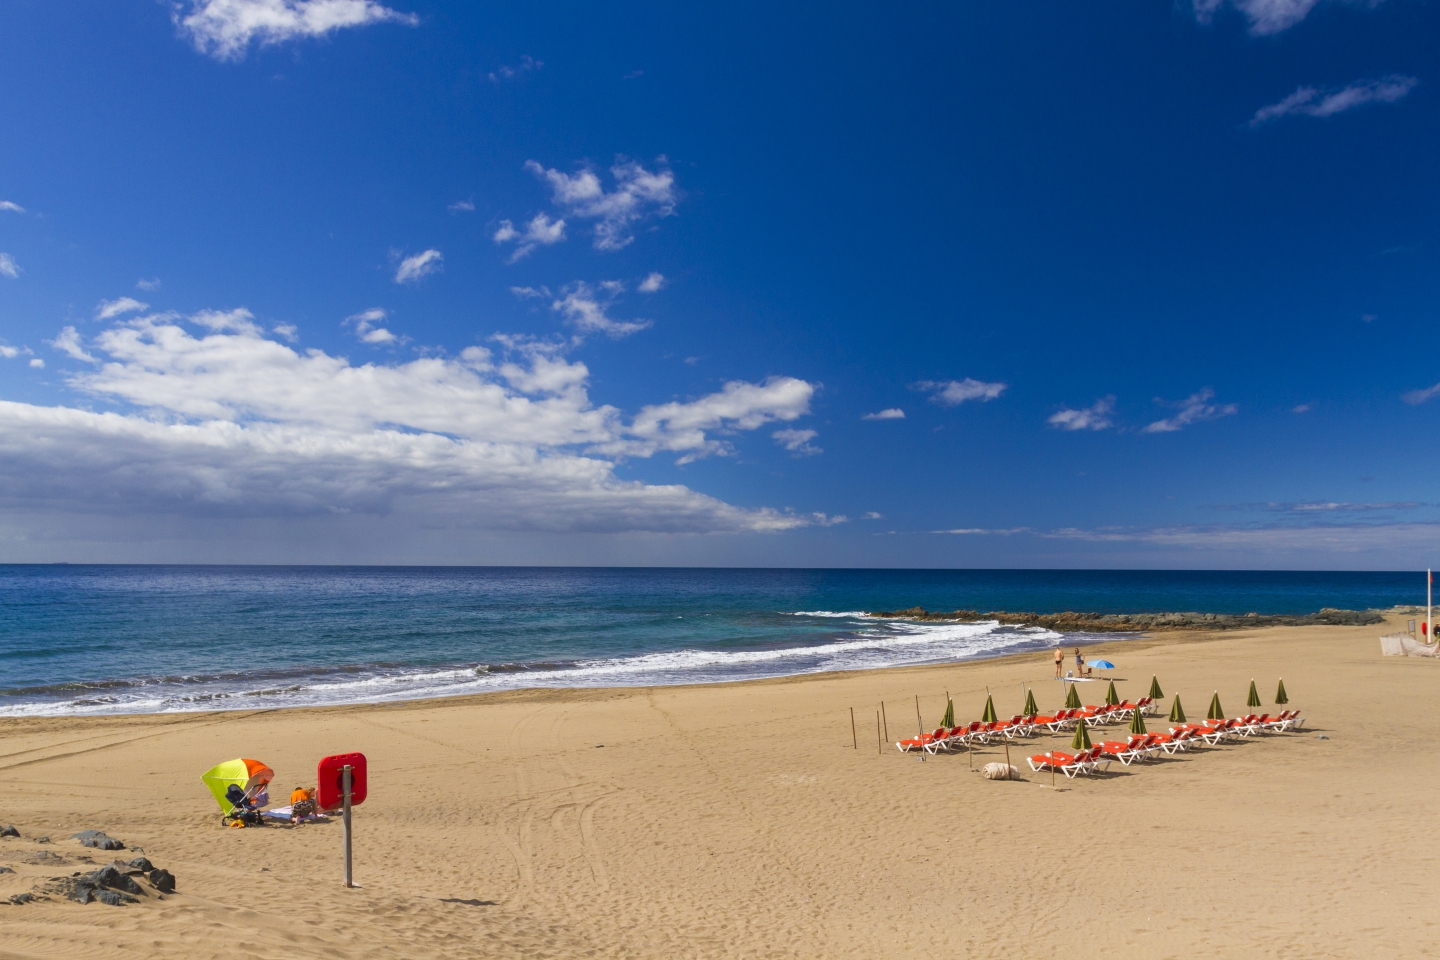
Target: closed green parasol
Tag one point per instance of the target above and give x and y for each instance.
(1137, 722)
(1030, 708)
(1155, 692)
(1082, 737)
(1215, 713)
(948, 720)
(1072, 698)
(1280, 694)
(989, 715)
(1111, 697)
(1177, 712)
(1254, 699)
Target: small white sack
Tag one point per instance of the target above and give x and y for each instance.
(1000, 771)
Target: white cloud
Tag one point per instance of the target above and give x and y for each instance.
(8, 267)
(37, 363)
(67, 341)
(980, 531)
(1314, 102)
(891, 413)
(1194, 409)
(585, 308)
(1094, 417)
(797, 441)
(9, 352)
(541, 231)
(681, 427)
(148, 285)
(638, 195)
(652, 283)
(1417, 397)
(1301, 408)
(872, 515)
(462, 206)
(1265, 16)
(952, 393)
(109, 309)
(420, 265)
(217, 420)
(224, 29)
(10, 206)
(526, 65)
(365, 327)
(287, 330)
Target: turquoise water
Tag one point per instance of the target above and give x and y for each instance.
(127, 639)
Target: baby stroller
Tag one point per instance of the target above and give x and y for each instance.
(245, 808)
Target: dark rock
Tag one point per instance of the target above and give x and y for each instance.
(6, 870)
(42, 839)
(98, 840)
(114, 879)
(9, 831)
(1072, 622)
(20, 898)
(45, 856)
(141, 864)
(162, 880)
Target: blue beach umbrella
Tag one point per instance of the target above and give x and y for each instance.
(1102, 664)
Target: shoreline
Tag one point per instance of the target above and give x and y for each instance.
(737, 819)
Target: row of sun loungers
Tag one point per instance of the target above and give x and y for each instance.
(980, 732)
(1148, 746)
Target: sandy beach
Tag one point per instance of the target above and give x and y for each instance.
(737, 820)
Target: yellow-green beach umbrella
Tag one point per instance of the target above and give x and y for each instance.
(1111, 697)
(1254, 699)
(243, 773)
(1082, 737)
(1030, 708)
(1280, 694)
(989, 715)
(1072, 699)
(948, 720)
(1137, 722)
(1177, 712)
(1155, 692)
(1215, 712)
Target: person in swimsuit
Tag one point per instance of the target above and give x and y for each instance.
(1080, 670)
(1059, 662)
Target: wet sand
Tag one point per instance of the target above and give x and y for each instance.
(737, 820)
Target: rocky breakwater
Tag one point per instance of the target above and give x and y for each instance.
(1072, 622)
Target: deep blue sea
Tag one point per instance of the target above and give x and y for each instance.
(141, 639)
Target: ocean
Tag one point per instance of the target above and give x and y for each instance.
(79, 639)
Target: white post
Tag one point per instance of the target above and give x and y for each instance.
(345, 786)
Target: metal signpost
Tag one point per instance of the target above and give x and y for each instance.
(342, 783)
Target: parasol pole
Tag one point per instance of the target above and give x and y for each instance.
(854, 740)
(1429, 614)
(879, 744)
(920, 724)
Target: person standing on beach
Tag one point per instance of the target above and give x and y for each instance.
(1059, 662)
(1079, 663)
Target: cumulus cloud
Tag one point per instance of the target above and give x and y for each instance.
(365, 327)
(652, 283)
(891, 413)
(209, 417)
(1094, 417)
(109, 309)
(872, 515)
(952, 393)
(682, 427)
(526, 65)
(585, 308)
(1193, 409)
(224, 29)
(10, 206)
(8, 267)
(67, 341)
(9, 352)
(1315, 102)
(37, 363)
(420, 265)
(1417, 397)
(1265, 17)
(541, 231)
(797, 441)
(639, 194)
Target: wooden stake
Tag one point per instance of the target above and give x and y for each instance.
(879, 743)
(885, 720)
(853, 740)
(919, 723)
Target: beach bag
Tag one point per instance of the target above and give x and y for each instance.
(1000, 771)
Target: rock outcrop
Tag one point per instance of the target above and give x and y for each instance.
(1072, 622)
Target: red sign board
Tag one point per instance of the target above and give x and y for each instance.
(331, 773)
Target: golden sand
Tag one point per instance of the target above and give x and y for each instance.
(737, 820)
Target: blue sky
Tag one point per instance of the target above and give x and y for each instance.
(1041, 284)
